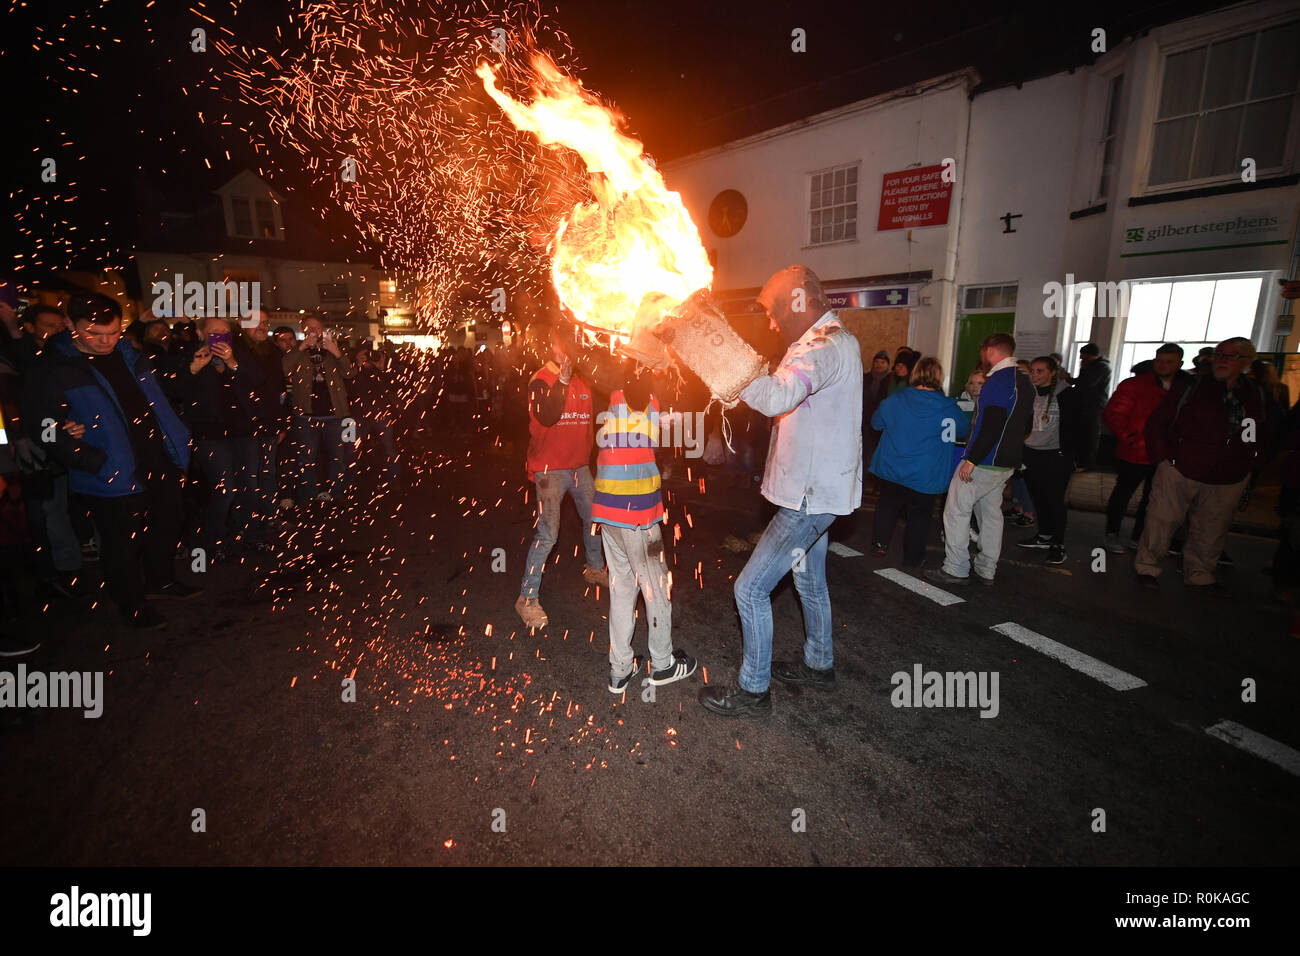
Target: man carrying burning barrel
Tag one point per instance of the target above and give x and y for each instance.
(813, 474)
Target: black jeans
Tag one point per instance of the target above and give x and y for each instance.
(916, 508)
(1047, 473)
(1127, 477)
(229, 467)
(138, 535)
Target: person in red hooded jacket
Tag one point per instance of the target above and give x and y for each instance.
(1126, 416)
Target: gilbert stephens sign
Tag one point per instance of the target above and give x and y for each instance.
(1199, 232)
(912, 198)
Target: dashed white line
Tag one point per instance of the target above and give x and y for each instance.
(1244, 738)
(844, 551)
(1112, 677)
(916, 585)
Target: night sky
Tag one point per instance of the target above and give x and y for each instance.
(106, 101)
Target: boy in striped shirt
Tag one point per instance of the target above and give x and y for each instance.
(629, 509)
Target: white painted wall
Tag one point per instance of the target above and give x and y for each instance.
(1024, 144)
(286, 283)
(772, 171)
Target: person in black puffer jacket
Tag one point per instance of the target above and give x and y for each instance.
(218, 387)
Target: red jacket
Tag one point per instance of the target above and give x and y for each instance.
(560, 435)
(1191, 429)
(1127, 412)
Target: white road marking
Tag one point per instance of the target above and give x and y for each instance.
(916, 585)
(844, 551)
(1244, 738)
(1112, 677)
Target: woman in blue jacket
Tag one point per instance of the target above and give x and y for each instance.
(914, 458)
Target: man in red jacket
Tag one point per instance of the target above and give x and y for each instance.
(560, 439)
(1206, 436)
(1126, 416)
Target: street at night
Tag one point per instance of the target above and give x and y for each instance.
(692, 441)
(238, 709)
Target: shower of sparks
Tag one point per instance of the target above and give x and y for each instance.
(448, 191)
(459, 202)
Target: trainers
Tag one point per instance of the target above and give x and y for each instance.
(596, 576)
(1112, 543)
(732, 701)
(879, 550)
(1056, 554)
(175, 591)
(940, 576)
(11, 646)
(1024, 520)
(531, 612)
(987, 582)
(1226, 561)
(619, 684)
(145, 618)
(682, 667)
(1038, 542)
(798, 672)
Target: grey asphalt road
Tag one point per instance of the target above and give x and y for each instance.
(471, 741)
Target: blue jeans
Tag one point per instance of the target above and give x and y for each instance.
(793, 541)
(229, 466)
(552, 486)
(315, 437)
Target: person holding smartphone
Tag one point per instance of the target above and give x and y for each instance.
(318, 402)
(219, 391)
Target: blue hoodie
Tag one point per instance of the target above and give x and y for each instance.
(920, 428)
(64, 386)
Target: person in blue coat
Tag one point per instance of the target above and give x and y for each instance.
(914, 459)
(94, 403)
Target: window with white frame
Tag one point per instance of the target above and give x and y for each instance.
(1108, 150)
(1226, 101)
(265, 219)
(833, 205)
(241, 216)
(1192, 312)
(989, 297)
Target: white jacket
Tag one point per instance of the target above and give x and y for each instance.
(814, 461)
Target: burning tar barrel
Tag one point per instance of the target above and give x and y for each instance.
(698, 332)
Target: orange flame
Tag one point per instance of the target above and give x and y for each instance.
(637, 239)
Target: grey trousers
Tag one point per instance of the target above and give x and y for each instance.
(982, 495)
(635, 558)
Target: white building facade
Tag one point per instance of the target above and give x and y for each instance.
(1163, 177)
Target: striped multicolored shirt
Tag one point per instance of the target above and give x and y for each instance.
(627, 478)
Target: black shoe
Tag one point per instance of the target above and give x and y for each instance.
(1149, 582)
(145, 618)
(800, 673)
(732, 701)
(619, 684)
(940, 576)
(1175, 550)
(16, 646)
(880, 550)
(1025, 521)
(175, 591)
(1226, 561)
(1037, 542)
(1056, 554)
(987, 582)
(682, 667)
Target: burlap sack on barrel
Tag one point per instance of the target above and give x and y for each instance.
(699, 334)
